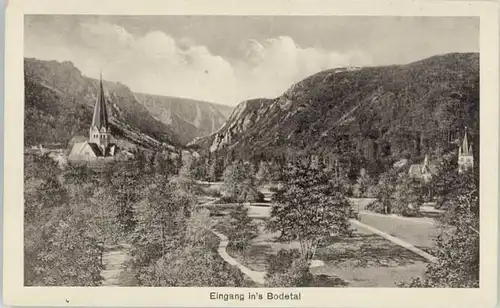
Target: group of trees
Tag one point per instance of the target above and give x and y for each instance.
(397, 193)
(72, 215)
(173, 244)
(240, 183)
(311, 207)
(457, 246)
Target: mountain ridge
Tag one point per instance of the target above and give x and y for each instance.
(59, 101)
(369, 115)
(189, 118)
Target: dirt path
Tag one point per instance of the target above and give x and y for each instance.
(114, 258)
(257, 277)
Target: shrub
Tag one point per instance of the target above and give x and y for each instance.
(242, 229)
(282, 261)
(191, 267)
(213, 192)
(376, 206)
(239, 183)
(288, 269)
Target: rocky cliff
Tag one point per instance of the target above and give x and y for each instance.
(188, 118)
(370, 115)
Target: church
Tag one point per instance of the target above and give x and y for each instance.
(465, 156)
(99, 143)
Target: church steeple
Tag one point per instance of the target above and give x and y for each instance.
(99, 130)
(465, 156)
(100, 118)
(465, 149)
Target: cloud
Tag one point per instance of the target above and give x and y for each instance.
(160, 64)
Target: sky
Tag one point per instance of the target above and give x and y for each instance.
(228, 59)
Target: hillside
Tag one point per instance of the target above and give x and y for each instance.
(369, 116)
(189, 119)
(59, 102)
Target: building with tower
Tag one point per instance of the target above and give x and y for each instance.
(465, 156)
(99, 143)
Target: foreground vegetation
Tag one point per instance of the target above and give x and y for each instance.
(71, 215)
(75, 213)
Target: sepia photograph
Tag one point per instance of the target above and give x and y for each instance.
(253, 153)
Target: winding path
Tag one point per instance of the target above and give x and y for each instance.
(114, 258)
(257, 277)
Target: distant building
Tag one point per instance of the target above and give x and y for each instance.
(423, 171)
(465, 156)
(99, 144)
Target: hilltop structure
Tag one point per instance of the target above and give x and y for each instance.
(99, 143)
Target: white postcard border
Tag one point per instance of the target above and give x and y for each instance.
(16, 294)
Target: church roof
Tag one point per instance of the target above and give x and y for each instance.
(100, 118)
(110, 150)
(95, 148)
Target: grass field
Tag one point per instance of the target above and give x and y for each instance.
(363, 260)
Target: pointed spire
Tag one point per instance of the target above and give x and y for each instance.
(465, 145)
(100, 118)
(425, 165)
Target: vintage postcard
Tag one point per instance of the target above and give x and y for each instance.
(251, 153)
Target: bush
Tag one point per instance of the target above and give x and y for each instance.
(242, 228)
(288, 269)
(247, 194)
(213, 192)
(376, 206)
(191, 267)
(239, 184)
(282, 261)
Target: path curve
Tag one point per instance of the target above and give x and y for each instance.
(113, 259)
(257, 277)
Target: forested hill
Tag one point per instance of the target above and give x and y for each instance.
(370, 116)
(59, 103)
(189, 118)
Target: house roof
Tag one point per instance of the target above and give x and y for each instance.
(416, 169)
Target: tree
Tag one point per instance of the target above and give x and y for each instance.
(126, 192)
(192, 262)
(191, 267)
(161, 221)
(242, 228)
(363, 183)
(407, 196)
(457, 247)
(212, 171)
(386, 188)
(447, 180)
(60, 248)
(311, 207)
(239, 183)
(263, 174)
